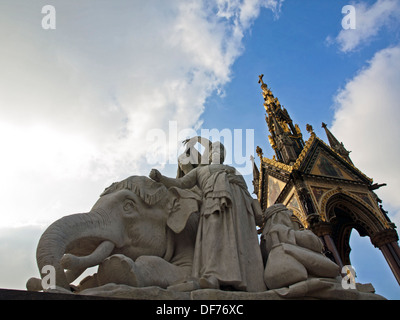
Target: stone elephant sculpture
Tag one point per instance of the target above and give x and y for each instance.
(137, 225)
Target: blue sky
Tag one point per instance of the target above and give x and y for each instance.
(77, 103)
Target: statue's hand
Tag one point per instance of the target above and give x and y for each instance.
(155, 175)
(184, 142)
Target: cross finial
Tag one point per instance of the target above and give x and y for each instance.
(261, 79)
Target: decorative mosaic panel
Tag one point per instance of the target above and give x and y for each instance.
(325, 167)
(275, 187)
(318, 192)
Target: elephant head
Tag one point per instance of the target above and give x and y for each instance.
(135, 217)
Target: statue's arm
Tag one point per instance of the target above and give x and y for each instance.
(308, 239)
(186, 182)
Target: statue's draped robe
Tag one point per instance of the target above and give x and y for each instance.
(227, 244)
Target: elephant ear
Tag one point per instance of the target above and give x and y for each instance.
(182, 204)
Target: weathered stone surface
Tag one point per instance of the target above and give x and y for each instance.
(314, 288)
(127, 292)
(8, 294)
(213, 294)
(311, 289)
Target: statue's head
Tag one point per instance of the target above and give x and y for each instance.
(218, 153)
(277, 214)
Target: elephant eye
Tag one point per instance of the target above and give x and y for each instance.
(129, 205)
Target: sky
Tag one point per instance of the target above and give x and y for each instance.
(117, 85)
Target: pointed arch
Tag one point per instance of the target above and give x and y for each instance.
(345, 212)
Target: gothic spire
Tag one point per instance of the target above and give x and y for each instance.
(336, 145)
(286, 139)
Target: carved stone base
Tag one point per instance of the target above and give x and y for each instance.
(313, 288)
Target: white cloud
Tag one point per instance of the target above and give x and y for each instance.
(245, 11)
(76, 103)
(17, 252)
(369, 22)
(366, 120)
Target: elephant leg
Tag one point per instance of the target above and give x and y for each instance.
(159, 272)
(119, 269)
(72, 262)
(144, 272)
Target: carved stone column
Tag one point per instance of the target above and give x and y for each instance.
(387, 242)
(324, 230)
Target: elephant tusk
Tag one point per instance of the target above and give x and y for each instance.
(72, 262)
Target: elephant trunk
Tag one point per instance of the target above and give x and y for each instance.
(65, 235)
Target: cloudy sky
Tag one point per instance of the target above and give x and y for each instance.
(79, 104)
